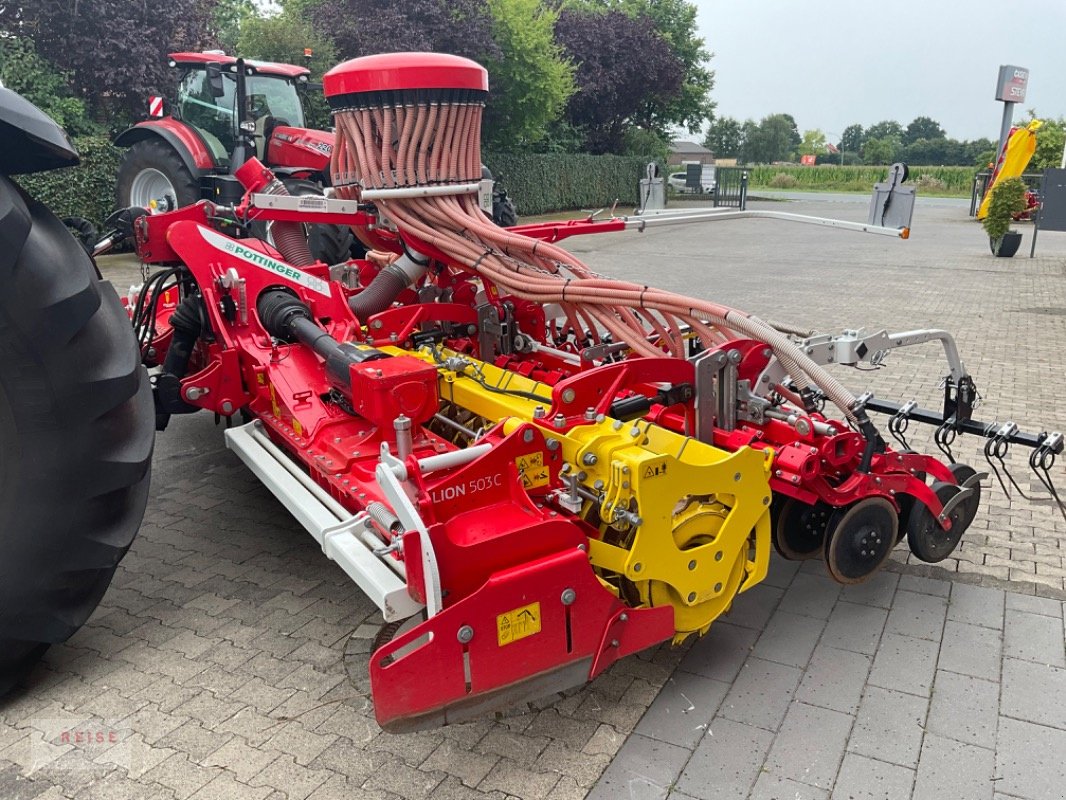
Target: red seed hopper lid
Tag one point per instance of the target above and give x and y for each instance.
(404, 71)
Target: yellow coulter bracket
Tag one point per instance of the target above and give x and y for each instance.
(682, 522)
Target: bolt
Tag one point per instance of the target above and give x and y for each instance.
(583, 547)
(589, 459)
(564, 469)
(623, 617)
(559, 421)
(527, 435)
(617, 425)
(539, 412)
(736, 477)
(597, 485)
(377, 324)
(590, 414)
(766, 501)
(227, 407)
(465, 634)
(718, 556)
(692, 565)
(717, 588)
(614, 643)
(553, 444)
(569, 395)
(638, 567)
(634, 431)
(568, 597)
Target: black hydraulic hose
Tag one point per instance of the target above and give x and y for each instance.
(385, 287)
(187, 325)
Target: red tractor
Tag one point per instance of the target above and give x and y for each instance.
(532, 470)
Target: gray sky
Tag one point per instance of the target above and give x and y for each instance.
(831, 63)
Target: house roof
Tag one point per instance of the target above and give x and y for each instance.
(688, 147)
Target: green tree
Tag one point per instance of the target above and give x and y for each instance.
(883, 150)
(25, 72)
(749, 134)
(923, 128)
(725, 137)
(1049, 142)
(775, 139)
(530, 81)
(227, 19)
(852, 139)
(813, 143)
(885, 129)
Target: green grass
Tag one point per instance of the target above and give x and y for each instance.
(942, 181)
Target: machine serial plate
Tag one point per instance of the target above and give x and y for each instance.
(518, 624)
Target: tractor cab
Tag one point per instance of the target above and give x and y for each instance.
(223, 98)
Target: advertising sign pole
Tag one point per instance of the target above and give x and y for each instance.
(1010, 90)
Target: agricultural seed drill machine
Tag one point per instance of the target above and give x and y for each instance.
(531, 469)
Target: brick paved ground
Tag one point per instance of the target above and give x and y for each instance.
(216, 661)
(903, 687)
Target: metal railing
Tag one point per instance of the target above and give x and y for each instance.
(731, 187)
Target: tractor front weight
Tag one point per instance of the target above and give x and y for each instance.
(531, 469)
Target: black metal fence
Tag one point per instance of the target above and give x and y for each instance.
(980, 186)
(730, 190)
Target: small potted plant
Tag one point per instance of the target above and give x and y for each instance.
(1008, 198)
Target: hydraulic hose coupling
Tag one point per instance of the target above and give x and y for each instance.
(257, 178)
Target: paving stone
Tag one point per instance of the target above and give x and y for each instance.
(950, 770)
(519, 781)
(1034, 637)
(971, 650)
(643, 769)
(294, 739)
(721, 653)
(469, 767)
(260, 695)
(811, 595)
(726, 763)
(810, 744)
(340, 788)
(405, 781)
(208, 709)
(964, 708)
(413, 748)
(916, 583)
(1031, 604)
(889, 727)
(772, 787)
(557, 758)
(781, 572)
(684, 707)
(753, 608)
(761, 693)
(864, 778)
(918, 615)
(1033, 692)
(226, 787)
(194, 740)
(789, 638)
(877, 591)
(181, 775)
(855, 627)
(976, 605)
(605, 741)
(1029, 760)
(834, 679)
(904, 663)
(240, 758)
(521, 749)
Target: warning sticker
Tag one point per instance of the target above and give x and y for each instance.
(518, 624)
(531, 468)
(655, 469)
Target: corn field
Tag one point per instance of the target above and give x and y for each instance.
(826, 177)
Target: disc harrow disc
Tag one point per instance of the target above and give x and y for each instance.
(972, 504)
(799, 529)
(927, 540)
(859, 539)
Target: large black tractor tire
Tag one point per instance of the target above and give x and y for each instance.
(330, 244)
(76, 434)
(146, 171)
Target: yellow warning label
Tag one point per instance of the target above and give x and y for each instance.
(531, 468)
(518, 624)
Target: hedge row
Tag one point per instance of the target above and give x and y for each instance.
(542, 183)
(831, 176)
(87, 190)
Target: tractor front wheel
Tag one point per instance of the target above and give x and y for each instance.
(152, 176)
(76, 434)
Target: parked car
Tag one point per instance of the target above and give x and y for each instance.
(678, 181)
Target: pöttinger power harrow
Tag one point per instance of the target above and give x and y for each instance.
(531, 469)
